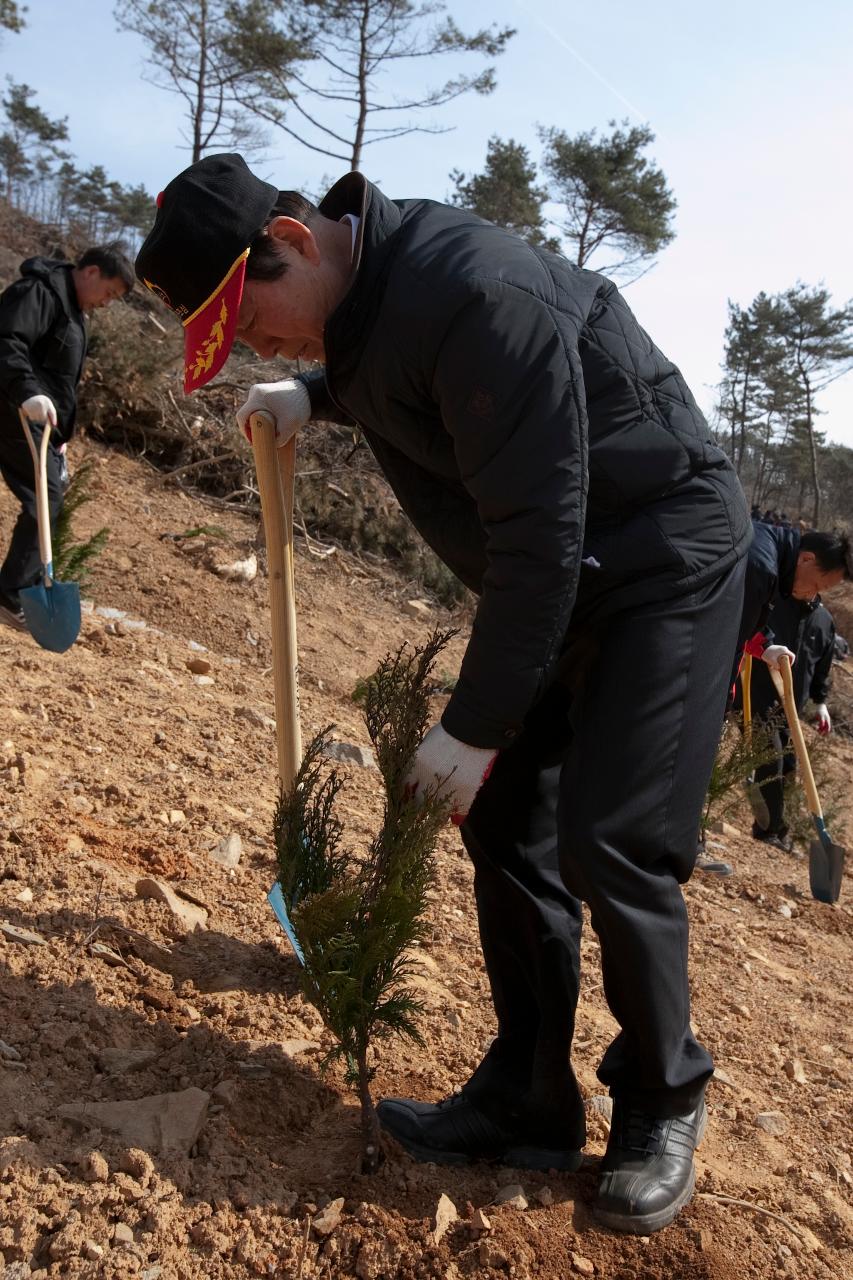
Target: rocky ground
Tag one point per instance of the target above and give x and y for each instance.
(162, 1108)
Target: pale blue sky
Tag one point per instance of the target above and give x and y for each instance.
(751, 102)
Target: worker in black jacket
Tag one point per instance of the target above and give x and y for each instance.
(554, 458)
(42, 349)
(807, 629)
(784, 564)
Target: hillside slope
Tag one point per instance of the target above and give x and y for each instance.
(117, 764)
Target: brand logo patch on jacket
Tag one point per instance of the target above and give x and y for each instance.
(482, 403)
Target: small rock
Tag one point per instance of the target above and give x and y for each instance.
(9, 1052)
(95, 1168)
(255, 717)
(421, 609)
(512, 1195)
(772, 1122)
(122, 1234)
(445, 1216)
(584, 1266)
(723, 1077)
(226, 1091)
(203, 681)
(164, 1123)
(704, 1239)
(491, 1255)
(351, 753)
(229, 851)
(294, 1047)
(479, 1221)
(545, 1196)
(17, 1271)
(198, 666)
(92, 1251)
(238, 570)
(724, 828)
(26, 895)
(603, 1104)
(177, 817)
(328, 1218)
(785, 911)
(793, 1069)
(118, 1062)
(194, 917)
(15, 933)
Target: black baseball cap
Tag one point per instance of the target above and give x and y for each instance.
(194, 257)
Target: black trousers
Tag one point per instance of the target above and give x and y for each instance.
(22, 566)
(598, 800)
(773, 777)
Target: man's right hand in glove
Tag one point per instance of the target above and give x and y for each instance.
(773, 653)
(460, 768)
(40, 409)
(287, 402)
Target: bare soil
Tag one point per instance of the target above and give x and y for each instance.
(116, 763)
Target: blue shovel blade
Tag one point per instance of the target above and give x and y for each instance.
(826, 865)
(52, 614)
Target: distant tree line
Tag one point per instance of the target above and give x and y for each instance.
(781, 352)
(39, 176)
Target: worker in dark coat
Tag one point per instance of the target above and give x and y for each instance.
(784, 564)
(807, 629)
(556, 461)
(42, 349)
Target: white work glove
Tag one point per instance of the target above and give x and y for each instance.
(40, 409)
(773, 653)
(822, 719)
(288, 402)
(461, 769)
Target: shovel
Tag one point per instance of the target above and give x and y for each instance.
(275, 470)
(826, 860)
(757, 803)
(51, 608)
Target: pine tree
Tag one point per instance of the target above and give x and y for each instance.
(613, 196)
(357, 920)
(505, 192)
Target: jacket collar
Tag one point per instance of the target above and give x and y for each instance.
(380, 220)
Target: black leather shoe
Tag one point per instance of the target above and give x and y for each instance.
(11, 613)
(648, 1172)
(456, 1131)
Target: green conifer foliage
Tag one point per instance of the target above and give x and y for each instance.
(72, 561)
(357, 919)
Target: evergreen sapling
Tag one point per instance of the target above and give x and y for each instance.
(357, 920)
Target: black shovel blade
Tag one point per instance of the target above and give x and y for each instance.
(826, 867)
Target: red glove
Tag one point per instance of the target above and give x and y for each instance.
(822, 719)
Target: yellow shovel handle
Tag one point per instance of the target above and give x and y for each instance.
(784, 685)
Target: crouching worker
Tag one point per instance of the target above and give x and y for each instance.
(806, 628)
(42, 348)
(555, 460)
(785, 565)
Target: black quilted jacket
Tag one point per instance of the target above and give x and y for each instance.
(526, 423)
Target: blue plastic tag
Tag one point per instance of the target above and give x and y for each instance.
(275, 898)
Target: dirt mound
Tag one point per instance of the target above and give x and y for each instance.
(120, 763)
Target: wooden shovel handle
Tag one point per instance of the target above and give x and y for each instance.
(746, 694)
(42, 501)
(275, 469)
(785, 688)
